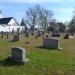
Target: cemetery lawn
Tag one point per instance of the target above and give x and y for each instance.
(42, 61)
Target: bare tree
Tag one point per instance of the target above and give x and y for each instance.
(30, 17)
(72, 23)
(38, 16)
(45, 17)
(48, 17)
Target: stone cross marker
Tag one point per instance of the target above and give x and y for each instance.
(18, 55)
(51, 43)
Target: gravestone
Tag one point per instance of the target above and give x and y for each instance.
(51, 43)
(66, 36)
(18, 30)
(13, 32)
(15, 37)
(21, 32)
(18, 55)
(27, 35)
(56, 32)
(36, 37)
(2, 33)
(39, 33)
(7, 35)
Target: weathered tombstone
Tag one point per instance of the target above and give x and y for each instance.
(66, 36)
(39, 33)
(27, 35)
(27, 32)
(21, 31)
(13, 31)
(7, 35)
(18, 55)
(27, 41)
(18, 31)
(56, 32)
(36, 37)
(15, 37)
(51, 43)
(2, 34)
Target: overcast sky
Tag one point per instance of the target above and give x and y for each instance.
(62, 9)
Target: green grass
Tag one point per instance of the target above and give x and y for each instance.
(42, 61)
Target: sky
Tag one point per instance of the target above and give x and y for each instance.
(62, 9)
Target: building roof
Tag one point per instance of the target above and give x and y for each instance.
(5, 20)
(23, 23)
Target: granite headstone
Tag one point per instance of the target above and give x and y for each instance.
(18, 55)
(51, 43)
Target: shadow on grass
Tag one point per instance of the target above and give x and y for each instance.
(42, 47)
(8, 62)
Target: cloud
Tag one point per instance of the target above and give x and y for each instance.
(33, 1)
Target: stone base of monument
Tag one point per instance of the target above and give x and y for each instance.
(18, 55)
(60, 48)
(18, 61)
(71, 37)
(51, 43)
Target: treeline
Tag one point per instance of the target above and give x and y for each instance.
(43, 18)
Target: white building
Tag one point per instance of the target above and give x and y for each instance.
(7, 24)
